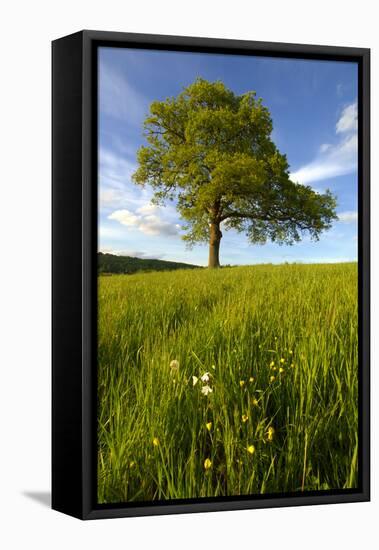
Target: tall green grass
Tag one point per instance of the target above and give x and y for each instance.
(291, 426)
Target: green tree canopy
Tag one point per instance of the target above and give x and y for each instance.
(211, 150)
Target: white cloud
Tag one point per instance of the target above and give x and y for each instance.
(150, 224)
(348, 121)
(115, 169)
(339, 89)
(130, 204)
(112, 233)
(336, 159)
(108, 197)
(348, 216)
(147, 209)
(118, 98)
(116, 190)
(325, 147)
(125, 217)
(153, 225)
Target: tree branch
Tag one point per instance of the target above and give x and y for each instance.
(267, 218)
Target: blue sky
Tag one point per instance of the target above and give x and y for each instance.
(313, 105)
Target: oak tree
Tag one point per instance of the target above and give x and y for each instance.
(211, 151)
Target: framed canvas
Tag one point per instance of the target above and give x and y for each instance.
(210, 274)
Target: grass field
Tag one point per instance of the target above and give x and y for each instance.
(277, 407)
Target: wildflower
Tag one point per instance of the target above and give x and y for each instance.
(270, 433)
(214, 367)
(251, 379)
(205, 377)
(282, 360)
(131, 464)
(208, 426)
(272, 378)
(207, 463)
(272, 364)
(174, 365)
(292, 365)
(290, 352)
(242, 383)
(281, 370)
(251, 449)
(254, 402)
(155, 442)
(244, 418)
(206, 389)
(194, 380)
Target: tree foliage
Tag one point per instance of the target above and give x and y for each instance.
(211, 150)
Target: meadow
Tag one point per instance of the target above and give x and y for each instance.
(230, 381)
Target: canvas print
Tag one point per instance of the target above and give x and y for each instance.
(227, 308)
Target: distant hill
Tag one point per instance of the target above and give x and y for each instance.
(110, 263)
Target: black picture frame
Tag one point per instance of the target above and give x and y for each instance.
(74, 271)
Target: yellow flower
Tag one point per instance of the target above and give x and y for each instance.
(282, 360)
(242, 383)
(272, 378)
(132, 463)
(245, 418)
(251, 449)
(251, 379)
(281, 370)
(270, 433)
(207, 463)
(290, 352)
(292, 365)
(155, 442)
(272, 364)
(254, 402)
(174, 365)
(208, 426)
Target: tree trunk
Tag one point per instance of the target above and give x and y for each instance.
(214, 245)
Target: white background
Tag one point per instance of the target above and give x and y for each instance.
(26, 31)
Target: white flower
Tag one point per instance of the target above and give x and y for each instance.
(205, 377)
(194, 380)
(174, 364)
(206, 389)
